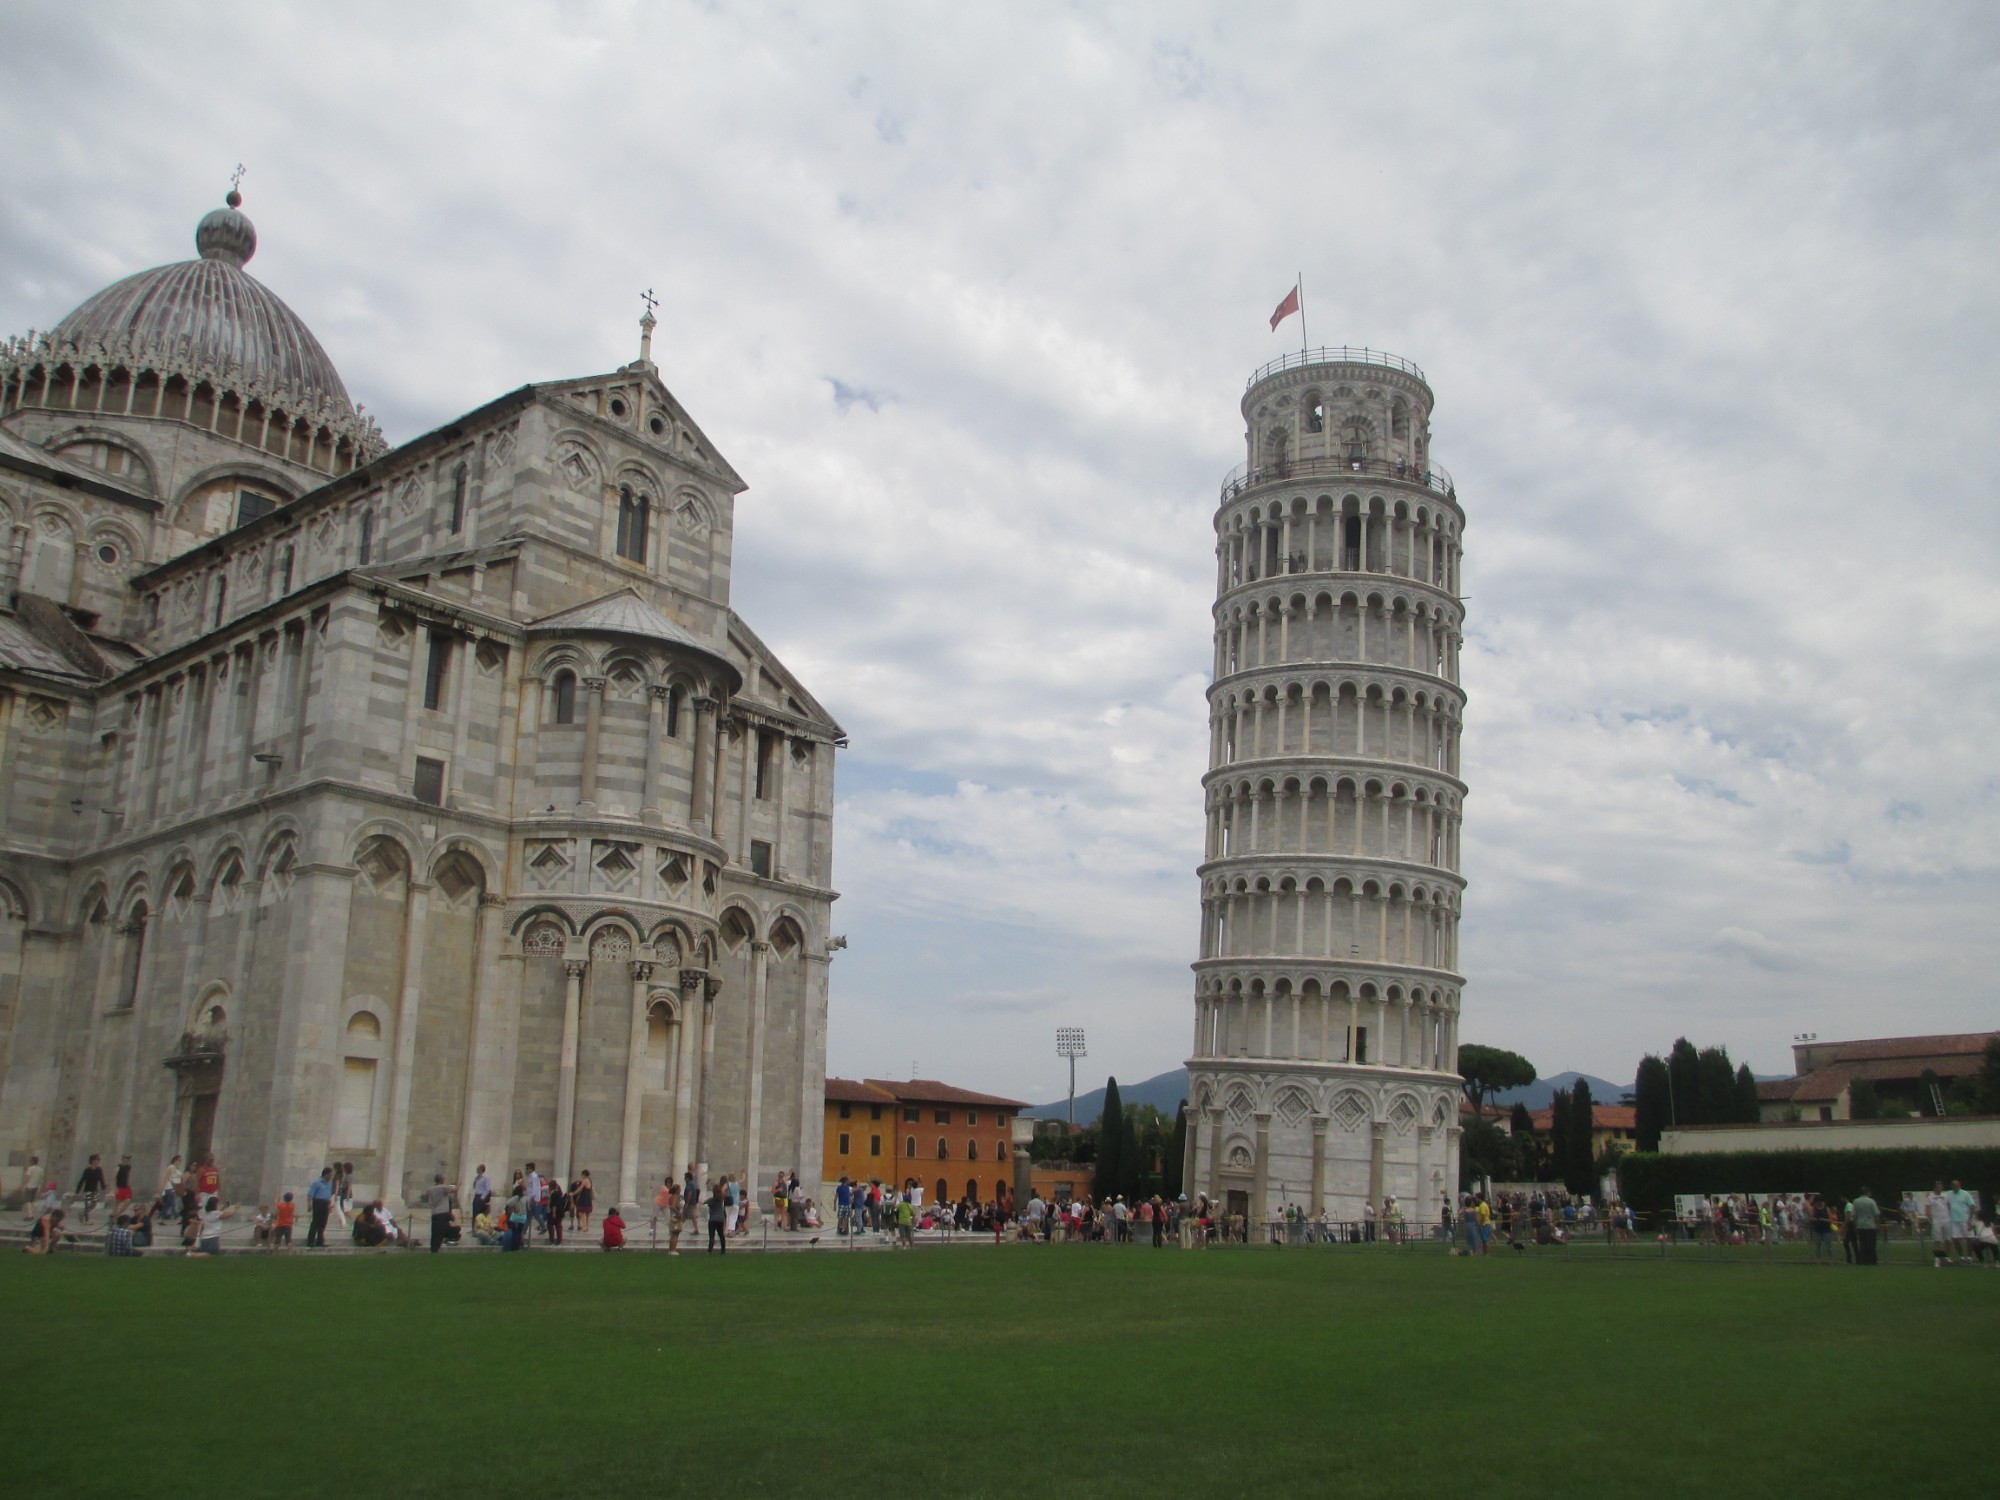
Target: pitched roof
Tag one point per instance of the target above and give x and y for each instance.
(625, 613)
(1825, 1084)
(850, 1091)
(931, 1091)
(1922, 1050)
(1602, 1117)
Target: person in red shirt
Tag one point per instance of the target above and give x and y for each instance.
(614, 1229)
(207, 1180)
(281, 1222)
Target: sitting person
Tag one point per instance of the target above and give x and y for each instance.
(369, 1230)
(483, 1229)
(47, 1233)
(260, 1227)
(614, 1229)
(118, 1238)
(392, 1232)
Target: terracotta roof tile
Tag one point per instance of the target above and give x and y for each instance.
(930, 1091)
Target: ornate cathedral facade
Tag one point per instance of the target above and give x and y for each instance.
(1327, 990)
(417, 807)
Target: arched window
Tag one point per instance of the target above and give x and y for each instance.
(673, 712)
(458, 499)
(944, 1148)
(1399, 419)
(972, 1151)
(910, 1148)
(634, 512)
(563, 707)
(1315, 412)
(367, 550)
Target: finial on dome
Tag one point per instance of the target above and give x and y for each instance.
(227, 234)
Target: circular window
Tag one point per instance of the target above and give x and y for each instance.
(108, 555)
(658, 425)
(617, 407)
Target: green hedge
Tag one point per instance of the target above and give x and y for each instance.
(1649, 1181)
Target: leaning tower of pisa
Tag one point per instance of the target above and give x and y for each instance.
(1327, 990)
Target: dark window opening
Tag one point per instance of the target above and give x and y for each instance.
(428, 784)
(874, 1145)
(434, 669)
(634, 514)
(1361, 1044)
(760, 858)
(843, 1145)
(367, 550)
(673, 713)
(250, 505)
(874, 1111)
(1315, 413)
(135, 951)
(1351, 544)
(458, 499)
(910, 1147)
(285, 571)
(944, 1149)
(221, 599)
(565, 695)
(767, 744)
(911, 1114)
(941, 1117)
(972, 1151)
(846, 1111)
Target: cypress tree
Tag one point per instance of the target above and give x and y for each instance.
(1110, 1144)
(1747, 1110)
(1581, 1168)
(1715, 1101)
(1684, 1077)
(1652, 1102)
(1176, 1164)
(1559, 1134)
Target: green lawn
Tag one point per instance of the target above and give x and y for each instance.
(975, 1371)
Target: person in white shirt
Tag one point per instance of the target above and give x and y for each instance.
(1962, 1205)
(1937, 1209)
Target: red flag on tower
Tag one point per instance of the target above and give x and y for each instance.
(1286, 308)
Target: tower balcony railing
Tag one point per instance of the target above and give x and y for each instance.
(1344, 355)
(1247, 476)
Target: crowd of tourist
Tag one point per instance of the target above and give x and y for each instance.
(190, 1209)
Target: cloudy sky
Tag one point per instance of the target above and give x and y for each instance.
(969, 294)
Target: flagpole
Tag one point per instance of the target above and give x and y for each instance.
(1302, 313)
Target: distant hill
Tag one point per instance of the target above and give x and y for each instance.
(1164, 1091)
(1542, 1091)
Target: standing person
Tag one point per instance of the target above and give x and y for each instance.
(517, 1219)
(906, 1222)
(1962, 1204)
(1866, 1216)
(663, 1203)
(482, 1192)
(170, 1189)
(1820, 1218)
(207, 1179)
(441, 1194)
(284, 1216)
(90, 1186)
(731, 1207)
(675, 1217)
(211, 1214)
(555, 1210)
(121, 1186)
(716, 1217)
(586, 1200)
(690, 1193)
(319, 1203)
(1937, 1209)
(532, 1183)
(343, 1191)
(31, 1177)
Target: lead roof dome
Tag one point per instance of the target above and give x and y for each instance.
(214, 311)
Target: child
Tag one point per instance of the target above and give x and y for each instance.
(614, 1229)
(281, 1224)
(209, 1240)
(260, 1227)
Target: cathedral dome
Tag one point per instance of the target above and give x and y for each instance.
(212, 311)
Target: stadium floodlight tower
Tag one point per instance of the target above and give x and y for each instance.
(1069, 1044)
(1327, 990)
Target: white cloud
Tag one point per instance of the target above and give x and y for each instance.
(1704, 291)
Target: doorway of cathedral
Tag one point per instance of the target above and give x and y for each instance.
(201, 1126)
(1239, 1203)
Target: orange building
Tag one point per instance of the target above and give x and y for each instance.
(951, 1141)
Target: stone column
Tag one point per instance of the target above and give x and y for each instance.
(689, 1046)
(1318, 1194)
(711, 987)
(635, 1084)
(1214, 1155)
(753, 1129)
(410, 997)
(593, 728)
(1260, 1187)
(781, 766)
(704, 756)
(751, 738)
(1378, 1134)
(574, 969)
(720, 786)
(656, 708)
(485, 1082)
